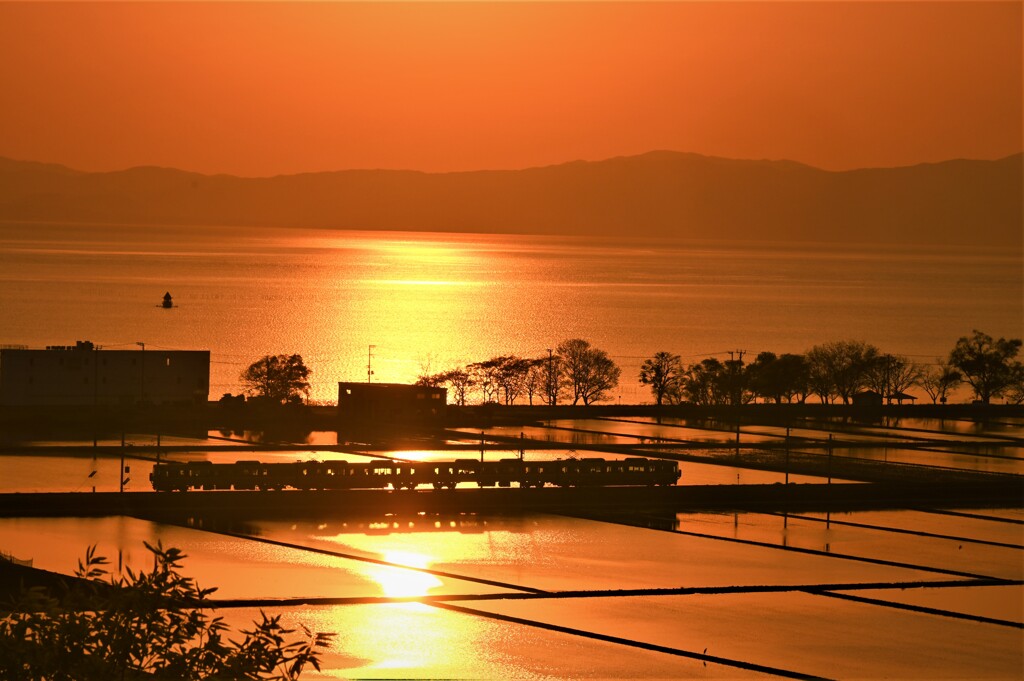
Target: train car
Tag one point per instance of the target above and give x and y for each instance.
(398, 475)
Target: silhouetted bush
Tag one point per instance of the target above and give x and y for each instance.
(145, 625)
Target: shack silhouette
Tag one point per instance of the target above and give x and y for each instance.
(391, 403)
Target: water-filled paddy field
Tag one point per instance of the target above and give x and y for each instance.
(902, 593)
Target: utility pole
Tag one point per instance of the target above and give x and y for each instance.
(787, 456)
(369, 364)
(736, 393)
(95, 389)
(829, 458)
(551, 385)
(785, 493)
(828, 505)
(142, 373)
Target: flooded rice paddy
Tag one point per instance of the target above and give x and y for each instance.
(917, 593)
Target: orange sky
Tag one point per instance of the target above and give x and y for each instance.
(267, 88)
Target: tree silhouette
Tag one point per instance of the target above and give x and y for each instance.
(840, 368)
(589, 372)
(890, 375)
(512, 376)
(663, 373)
(458, 380)
(938, 380)
(533, 384)
(551, 378)
(703, 383)
(1015, 390)
(485, 378)
(778, 378)
(986, 364)
(278, 378)
(733, 381)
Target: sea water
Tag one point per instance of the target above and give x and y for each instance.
(407, 303)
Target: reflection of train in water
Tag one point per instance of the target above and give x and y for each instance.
(380, 473)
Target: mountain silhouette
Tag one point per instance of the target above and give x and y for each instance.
(658, 194)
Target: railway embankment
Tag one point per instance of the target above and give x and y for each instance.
(19, 424)
(243, 505)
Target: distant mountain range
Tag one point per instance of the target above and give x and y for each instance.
(656, 194)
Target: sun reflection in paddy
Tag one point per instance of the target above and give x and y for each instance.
(419, 282)
(400, 582)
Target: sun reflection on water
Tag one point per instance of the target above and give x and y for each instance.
(418, 282)
(401, 582)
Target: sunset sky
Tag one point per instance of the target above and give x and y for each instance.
(268, 88)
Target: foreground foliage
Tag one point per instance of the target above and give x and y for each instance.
(146, 625)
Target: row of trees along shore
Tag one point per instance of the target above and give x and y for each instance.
(577, 372)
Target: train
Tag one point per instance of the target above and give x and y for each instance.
(399, 475)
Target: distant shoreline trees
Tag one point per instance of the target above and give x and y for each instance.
(845, 370)
(833, 372)
(577, 372)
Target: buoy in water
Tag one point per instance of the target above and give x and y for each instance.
(167, 300)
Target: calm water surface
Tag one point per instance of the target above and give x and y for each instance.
(789, 629)
(372, 643)
(800, 632)
(443, 299)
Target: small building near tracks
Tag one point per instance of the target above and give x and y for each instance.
(391, 403)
